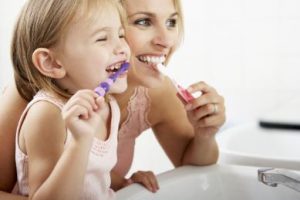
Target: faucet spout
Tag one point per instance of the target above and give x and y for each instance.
(273, 177)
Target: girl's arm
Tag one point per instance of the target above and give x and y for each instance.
(11, 107)
(57, 171)
(183, 141)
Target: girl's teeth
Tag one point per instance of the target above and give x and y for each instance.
(114, 67)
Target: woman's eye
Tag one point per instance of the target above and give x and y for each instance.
(171, 23)
(122, 36)
(143, 22)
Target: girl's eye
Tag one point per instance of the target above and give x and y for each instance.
(121, 36)
(143, 22)
(101, 39)
(171, 23)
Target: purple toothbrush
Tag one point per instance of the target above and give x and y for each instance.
(104, 86)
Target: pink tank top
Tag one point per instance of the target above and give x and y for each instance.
(136, 122)
(102, 157)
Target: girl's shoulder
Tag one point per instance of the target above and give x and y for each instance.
(44, 108)
(42, 121)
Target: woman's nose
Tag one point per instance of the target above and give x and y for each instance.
(163, 38)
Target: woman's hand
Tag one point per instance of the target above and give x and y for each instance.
(145, 178)
(82, 114)
(207, 112)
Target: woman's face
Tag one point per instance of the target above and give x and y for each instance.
(152, 35)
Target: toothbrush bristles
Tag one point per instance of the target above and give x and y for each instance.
(161, 68)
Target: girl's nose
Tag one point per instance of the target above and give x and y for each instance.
(122, 48)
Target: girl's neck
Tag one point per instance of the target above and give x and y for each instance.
(124, 97)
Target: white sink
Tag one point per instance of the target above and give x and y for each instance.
(216, 182)
(250, 144)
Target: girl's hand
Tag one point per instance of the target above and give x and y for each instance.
(82, 114)
(145, 178)
(207, 112)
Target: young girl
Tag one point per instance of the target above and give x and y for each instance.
(66, 139)
(185, 133)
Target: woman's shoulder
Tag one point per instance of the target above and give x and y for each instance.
(163, 93)
(163, 101)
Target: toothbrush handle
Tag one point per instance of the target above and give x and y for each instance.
(104, 86)
(182, 93)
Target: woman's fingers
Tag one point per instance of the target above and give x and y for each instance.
(200, 86)
(207, 110)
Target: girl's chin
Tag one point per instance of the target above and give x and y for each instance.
(119, 87)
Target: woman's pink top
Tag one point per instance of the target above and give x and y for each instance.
(102, 157)
(136, 122)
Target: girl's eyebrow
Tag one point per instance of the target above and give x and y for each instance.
(150, 14)
(103, 29)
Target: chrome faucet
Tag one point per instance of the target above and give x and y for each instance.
(273, 177)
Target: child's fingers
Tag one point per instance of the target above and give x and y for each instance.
(79, 101)
(75, 113)
(85, 98)
(100, 102)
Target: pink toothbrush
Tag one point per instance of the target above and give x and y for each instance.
(183, 94)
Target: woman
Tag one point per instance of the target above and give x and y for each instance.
(186, 132)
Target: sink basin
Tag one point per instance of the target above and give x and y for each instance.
(221, 182)
(250, 144)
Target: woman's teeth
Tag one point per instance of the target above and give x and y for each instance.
(152, 59)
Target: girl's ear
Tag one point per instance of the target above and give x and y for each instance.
(45, 62)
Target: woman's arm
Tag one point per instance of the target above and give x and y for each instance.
(11, 107)
(9, 196)
(206, 114)
(177, 128)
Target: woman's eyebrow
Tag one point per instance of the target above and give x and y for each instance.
(150, 14)
(141, 13)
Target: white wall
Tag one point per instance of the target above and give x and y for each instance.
(9, 11)
(248, 49)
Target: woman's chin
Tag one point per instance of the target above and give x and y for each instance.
(153, 82)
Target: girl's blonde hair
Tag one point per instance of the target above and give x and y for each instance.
(180, 23)
(42, 24)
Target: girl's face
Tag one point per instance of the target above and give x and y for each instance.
(152, 35)
(92, 50)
